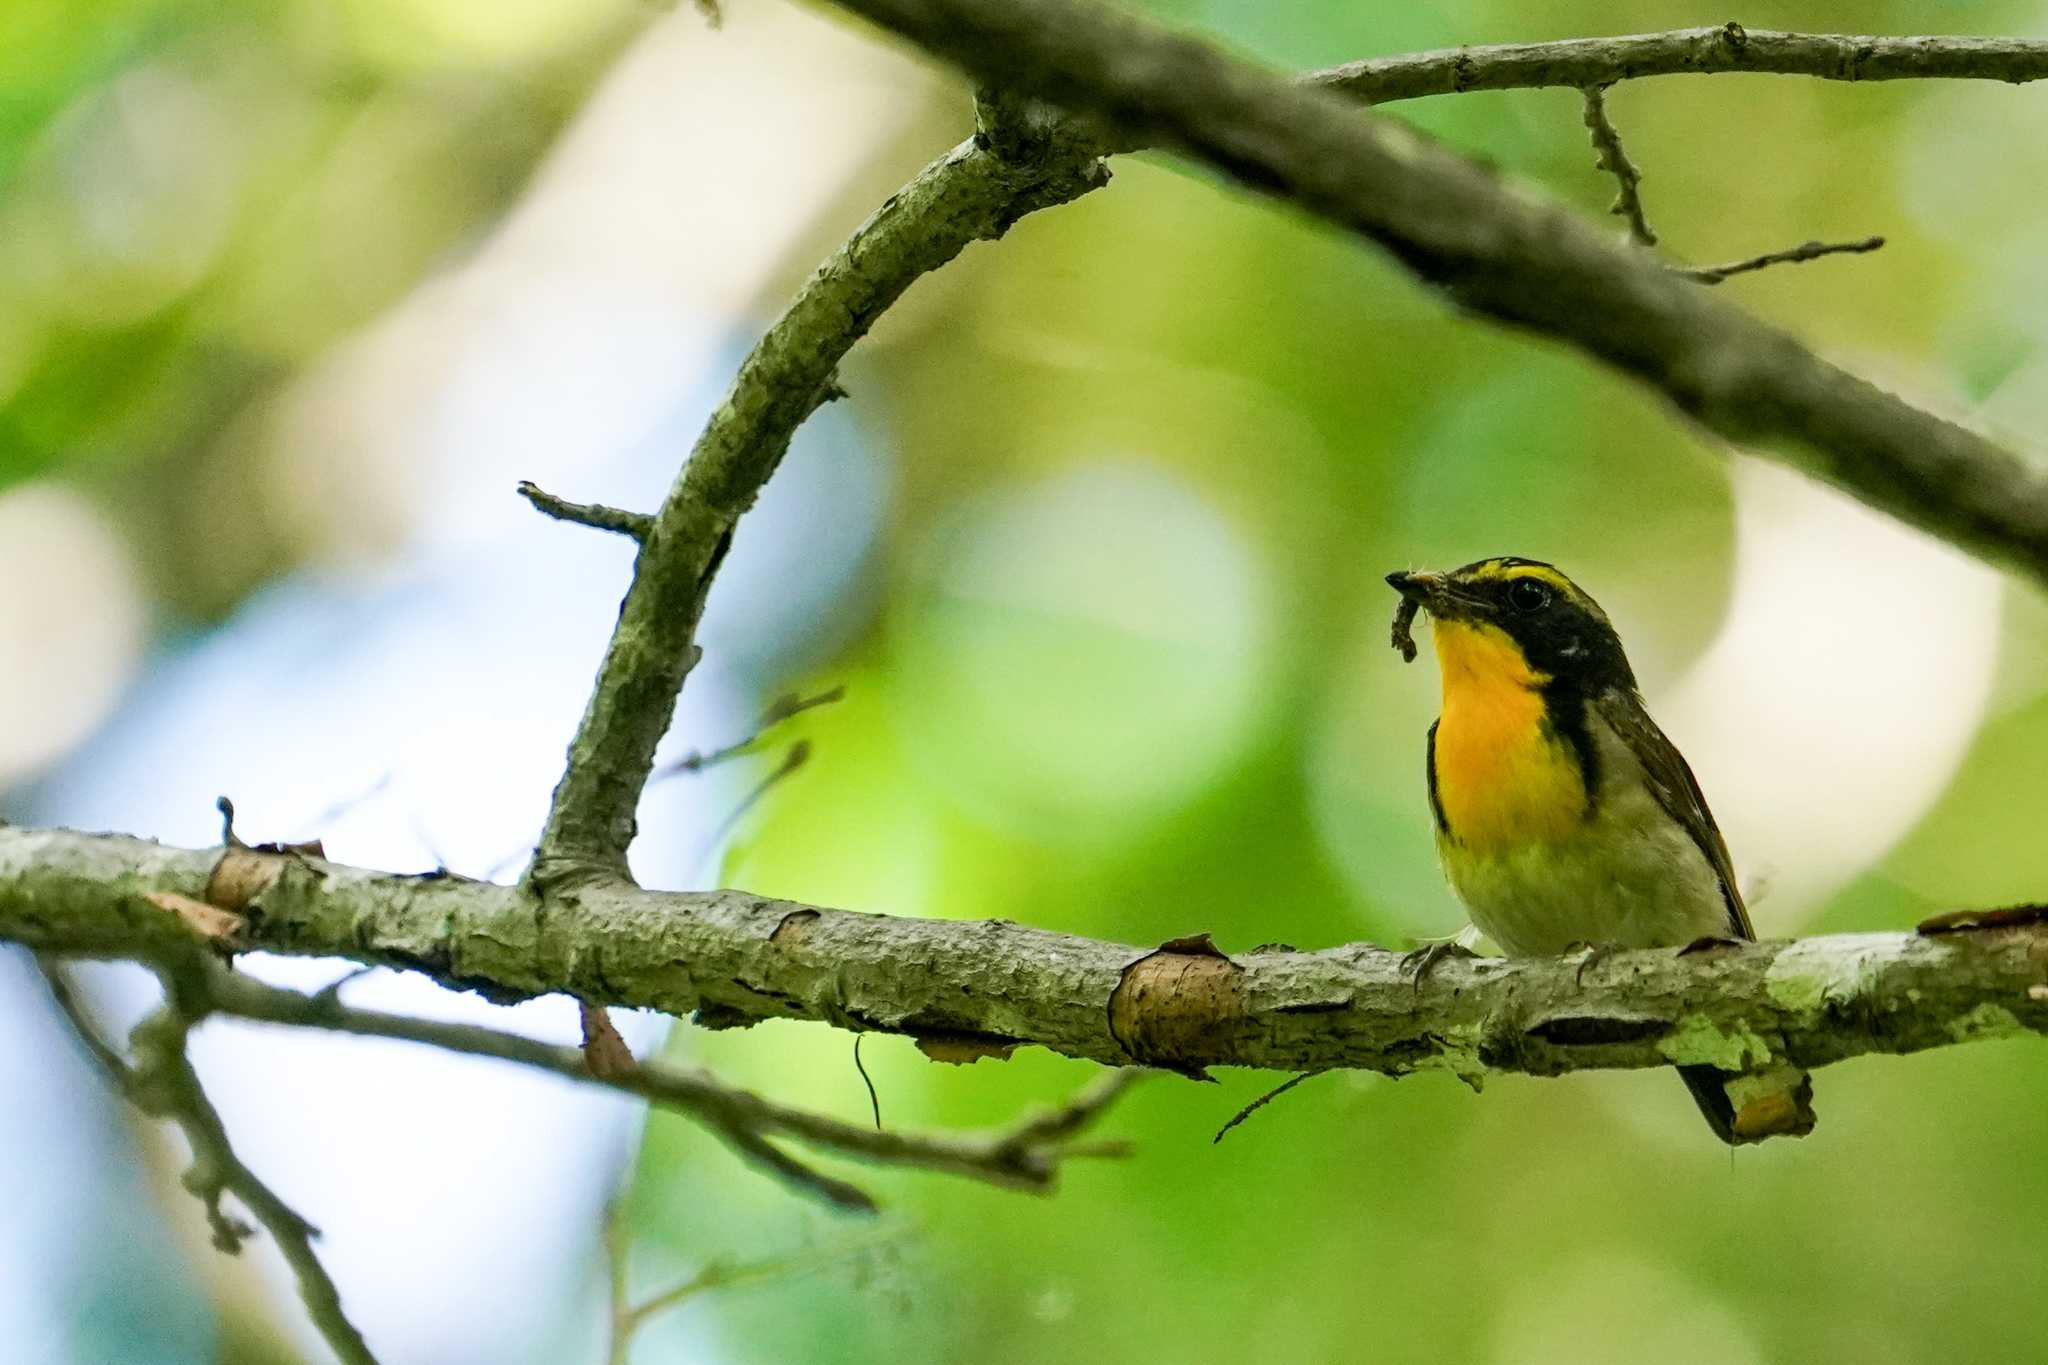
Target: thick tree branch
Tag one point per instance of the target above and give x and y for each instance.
(249, 891)
(979, 988)
(1504, 251)
(974, 192)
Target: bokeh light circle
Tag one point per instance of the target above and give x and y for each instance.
(72, 623)
(1083, 653)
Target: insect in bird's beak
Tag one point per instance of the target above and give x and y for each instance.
(1417, 590)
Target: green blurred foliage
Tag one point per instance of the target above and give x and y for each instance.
(199, 197)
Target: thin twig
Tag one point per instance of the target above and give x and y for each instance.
(1612, 157)
(792, 763)
(618, 1249)
(733, 1275)
(161, 1083)
(628, 1317)
(1260, 1103)
(64, 991)
(874, 1100)
(1069, 1119)
(1805, 251)
(592, 514)
(1025, 1156)
(347, 806)
(781, 709)
(766, 1156)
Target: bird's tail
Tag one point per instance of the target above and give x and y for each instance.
(1749, 1106)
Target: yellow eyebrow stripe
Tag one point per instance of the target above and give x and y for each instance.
(1496, 571)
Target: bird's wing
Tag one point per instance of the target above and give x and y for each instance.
(1678, 791)
(1436, 804)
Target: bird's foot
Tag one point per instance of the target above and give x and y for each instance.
(1420, 962)
(1592, 955)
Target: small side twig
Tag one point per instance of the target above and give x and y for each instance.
(592, 514)
(874, 1100)
(161, 1082)
(1805, 251)
(749, 1143)
(792, 762)
(1612, 157)
(1260, 1103)
(1024, 1156)
(628, 1317)
(64, 992)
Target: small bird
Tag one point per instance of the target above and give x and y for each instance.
(1564, 818)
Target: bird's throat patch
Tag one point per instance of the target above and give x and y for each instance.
(1504, 775)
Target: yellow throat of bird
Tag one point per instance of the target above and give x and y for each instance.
(1504, 775)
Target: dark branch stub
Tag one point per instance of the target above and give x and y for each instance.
(594, 515)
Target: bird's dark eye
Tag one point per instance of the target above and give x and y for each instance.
(1526, 594)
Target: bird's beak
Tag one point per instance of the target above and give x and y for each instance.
(1423, 589)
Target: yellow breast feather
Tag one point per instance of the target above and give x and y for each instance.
(1504, 776)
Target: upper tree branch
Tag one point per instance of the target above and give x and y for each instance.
(1505, 251)
(976, 191)
(1580, 62)
(1024, 159)
(737, 959)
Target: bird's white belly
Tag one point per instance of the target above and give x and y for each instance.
(1629, 876)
